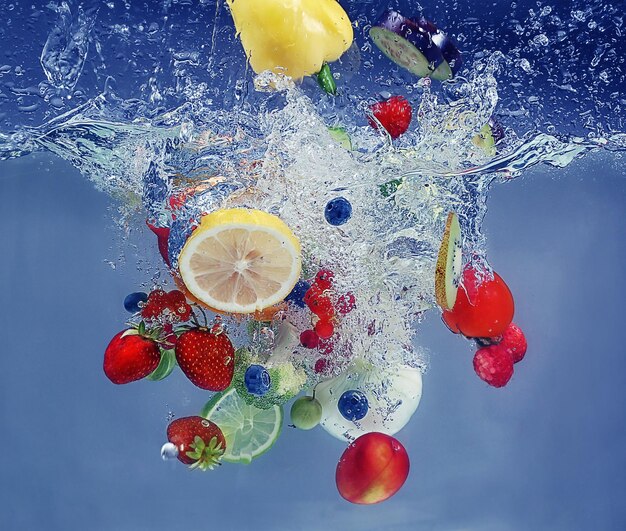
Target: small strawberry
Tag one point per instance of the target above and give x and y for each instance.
(207, 358)
(393, 114)
(514, 342)
(493, 365)
(200, 442)
(130, 357)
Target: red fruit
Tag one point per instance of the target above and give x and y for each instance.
(482, 309)
(312, 294)
(155, 305)
(394, 115)
(322, 306)
(162, 234)
(493, 365)
(174, 302)
(324, 329)
(372, 469)
(324, 279)
(514, 342)
(325, 346)
(130, 357)
(200, 442)
(207, 358)
(346, 303)
(309, 339)
(322, 366)
(177, 304)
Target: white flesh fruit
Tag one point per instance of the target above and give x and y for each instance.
(449, 263)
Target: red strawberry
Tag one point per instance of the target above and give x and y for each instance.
(493, 365)
(394, 115)
(207, 358)
(514, 342)
(200, 442)
(130, 357)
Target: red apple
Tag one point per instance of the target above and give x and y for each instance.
(372, 469)
(483, 308)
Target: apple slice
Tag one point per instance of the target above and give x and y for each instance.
(449, 263)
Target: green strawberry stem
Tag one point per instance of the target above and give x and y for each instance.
(326, 80)
(207, 456)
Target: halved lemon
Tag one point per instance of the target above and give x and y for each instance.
(240, 260)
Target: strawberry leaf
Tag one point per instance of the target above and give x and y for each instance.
(165, 367)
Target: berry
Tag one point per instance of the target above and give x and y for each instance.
(346, 303)
(171, 306)
(177, 304)
(130, 357)
(133, 300)
(309, 339)
(155, 305)
(322, 366)
(353, 405)
(297, 293)
(322, 306)
(324, 329)
(493, 365)
(325, 346)
(338, 211)
(306, 412)
(313, 293)
(394, 115)
(324, 279)
(257, 380)
(514, 342)
(207, 358)
(200, 442)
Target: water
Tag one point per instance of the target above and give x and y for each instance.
(144, 134)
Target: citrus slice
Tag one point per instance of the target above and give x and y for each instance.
(240, 260)
(249, 431)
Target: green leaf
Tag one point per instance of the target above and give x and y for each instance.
(166, 366)
(390, 188)
(340, 135)
(326, 80)
(142, 328)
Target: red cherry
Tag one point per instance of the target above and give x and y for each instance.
(482, 308)
(324, 329)
(309, 339)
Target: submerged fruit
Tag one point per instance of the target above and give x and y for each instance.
(483, 307)
(200, 443)
(353, 405)
(130, 357)
(240, 260)
(393, 114)
(372, 469)
(449, 263)
(306, 413)
(493, 365)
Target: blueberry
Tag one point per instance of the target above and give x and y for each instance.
(353, 405)
(297, 293)
(132, 300)
(257, 380)
(338, 211)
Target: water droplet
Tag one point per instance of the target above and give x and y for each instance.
(169, 451)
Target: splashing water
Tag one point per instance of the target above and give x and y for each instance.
(272, 150)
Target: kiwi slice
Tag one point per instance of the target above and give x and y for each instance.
(449, 263)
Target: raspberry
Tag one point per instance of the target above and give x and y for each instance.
(325, 347)
(324, 329)
(156, 303)
(493, 365)
(394, 115)
(322, 306)
(309, 339)
(322, 366)
(324, 279)
(514, 342)
(346, 303)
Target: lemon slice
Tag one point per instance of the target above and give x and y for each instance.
(240, 260)
(248, 430)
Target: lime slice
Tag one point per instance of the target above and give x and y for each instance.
(240, 260)
(249, 431)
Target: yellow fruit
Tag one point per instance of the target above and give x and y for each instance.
(240, 261)
(294, 37)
